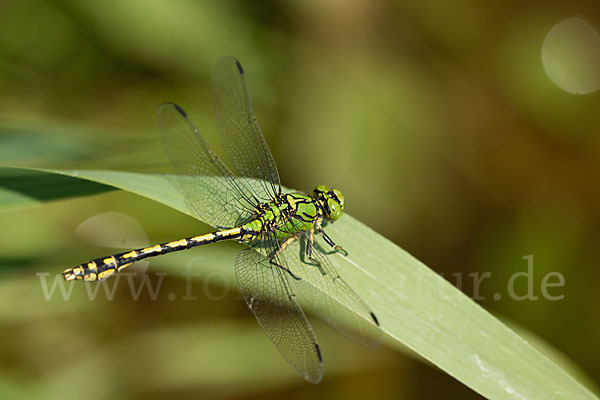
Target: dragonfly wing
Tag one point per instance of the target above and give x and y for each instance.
(211, 191)
(328, 294)
(239, 131)
(267, 292)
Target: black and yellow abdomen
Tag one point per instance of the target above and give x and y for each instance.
(103, 268)
(285, 215)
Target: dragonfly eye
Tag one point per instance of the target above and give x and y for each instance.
(334, 209)
(321, 189)
(337, 195)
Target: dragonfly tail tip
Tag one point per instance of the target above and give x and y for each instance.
(69, 275)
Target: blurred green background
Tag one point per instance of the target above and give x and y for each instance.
(454, 129)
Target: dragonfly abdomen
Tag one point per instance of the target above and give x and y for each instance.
(103, 268)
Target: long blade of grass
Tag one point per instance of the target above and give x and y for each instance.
(417, 308)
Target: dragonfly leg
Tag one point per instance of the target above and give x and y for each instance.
(329, 241)
(309, 248)
(271, 257)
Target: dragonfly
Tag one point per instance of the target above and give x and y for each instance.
(282, 230)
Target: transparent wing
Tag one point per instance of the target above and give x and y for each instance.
(268, 294)
(328, 294)
(237, 126)
(211, 191)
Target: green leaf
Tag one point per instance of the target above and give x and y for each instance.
(416, 307)
(20, 187)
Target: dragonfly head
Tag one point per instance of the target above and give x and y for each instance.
(330, 200)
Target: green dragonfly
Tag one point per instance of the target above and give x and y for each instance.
(280, 229)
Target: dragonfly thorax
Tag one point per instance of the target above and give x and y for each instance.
(285, 215)
(293, 212)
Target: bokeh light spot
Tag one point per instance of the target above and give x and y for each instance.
(571, 56)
